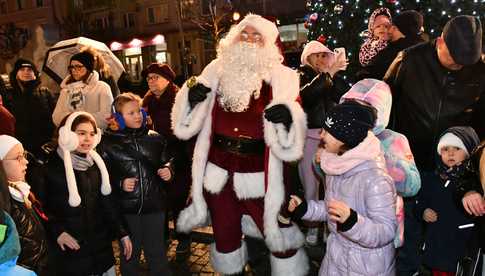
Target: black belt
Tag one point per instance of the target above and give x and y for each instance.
(239, 145)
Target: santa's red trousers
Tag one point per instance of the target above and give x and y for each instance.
(226, 211)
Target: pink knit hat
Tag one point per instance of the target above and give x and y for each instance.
(314, 47)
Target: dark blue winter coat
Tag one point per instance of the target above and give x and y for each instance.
(445, 243)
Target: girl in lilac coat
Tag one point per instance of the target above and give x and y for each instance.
(395, 146)
(360, 198)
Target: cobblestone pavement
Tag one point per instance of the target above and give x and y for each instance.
(198, 262)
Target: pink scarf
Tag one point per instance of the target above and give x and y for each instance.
(333, 164)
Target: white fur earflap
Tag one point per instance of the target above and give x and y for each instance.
(229, 263)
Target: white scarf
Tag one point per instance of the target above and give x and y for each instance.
(19, 190)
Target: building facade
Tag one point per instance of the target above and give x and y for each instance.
(178, 32)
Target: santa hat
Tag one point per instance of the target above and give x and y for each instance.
(267, 28)
(68, 142)
(314, 47)
(6, 144)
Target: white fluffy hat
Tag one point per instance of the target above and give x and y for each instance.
(314, 47)
(450, 139)
(6, 144)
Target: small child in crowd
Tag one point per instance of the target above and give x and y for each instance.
(140, 167)
(74, 187)
(378, 36)
(360, 197)
(448, 227)
(395, 146)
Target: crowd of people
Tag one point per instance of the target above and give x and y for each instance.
(398, 155)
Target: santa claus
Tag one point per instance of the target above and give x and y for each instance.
(243, 109)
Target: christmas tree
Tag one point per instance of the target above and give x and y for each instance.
(343, 23)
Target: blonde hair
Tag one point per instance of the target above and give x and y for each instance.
(124, 98)
(100, 64)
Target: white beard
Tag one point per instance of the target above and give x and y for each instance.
(244, 67)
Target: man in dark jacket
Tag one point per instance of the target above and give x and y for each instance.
(31, 105)
(404, 33)
(436, 85)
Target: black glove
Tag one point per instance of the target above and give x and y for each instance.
(300, 210)
(197, 94)
(279, 114)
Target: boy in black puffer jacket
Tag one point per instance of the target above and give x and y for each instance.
(139, 165)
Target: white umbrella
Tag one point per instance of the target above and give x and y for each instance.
(58, 56)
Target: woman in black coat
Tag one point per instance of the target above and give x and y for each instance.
(320, 90)
(75, 190)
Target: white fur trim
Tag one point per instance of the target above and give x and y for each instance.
(450, 139)
(229, 263)
(267, 28)
(278, 239)
(249, 185)
(196, 214)
(249, 227)
(215, 178)
(296, 265)
(186, 122)
(287, 145)
(285, 85)
(290, 238)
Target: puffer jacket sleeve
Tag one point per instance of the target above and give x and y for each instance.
(402, 168)
(314, 89)
(167, 156)
(316, 211)
(424, 197)
(377, 227)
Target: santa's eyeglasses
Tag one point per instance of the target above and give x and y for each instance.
(251, 37)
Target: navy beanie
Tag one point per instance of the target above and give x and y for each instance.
(350, 121)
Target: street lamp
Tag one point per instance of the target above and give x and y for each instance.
(236, 16)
